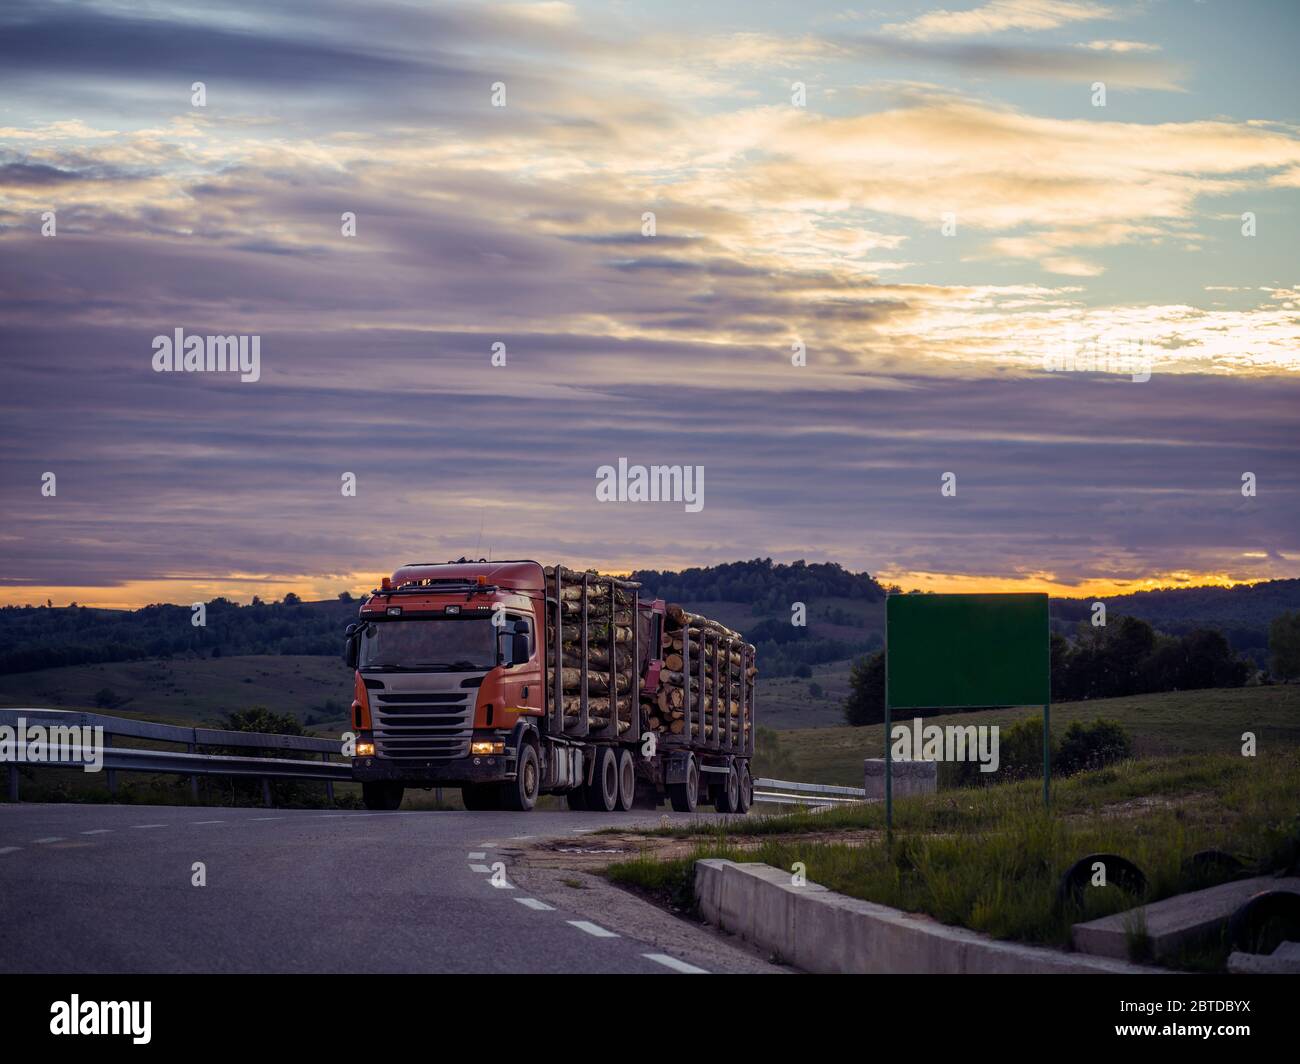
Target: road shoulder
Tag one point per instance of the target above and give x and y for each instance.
(542, 871)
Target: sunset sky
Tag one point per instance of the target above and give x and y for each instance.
(1078, 227)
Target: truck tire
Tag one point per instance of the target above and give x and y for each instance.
(382, 796)
(626, 780)
(727, 797)
(746, 789)
(683, 796)
(520, 794)
(602, 794)
(481, 796)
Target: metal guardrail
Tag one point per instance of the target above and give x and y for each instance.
(189, 762)
(786, 792)
(194, 764)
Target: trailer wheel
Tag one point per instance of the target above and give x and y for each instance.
(520, 794)
(683, 796)
(746, 789)
(602, 795)
(626, 780)
(726, 798)
(481, 796)
(382, 796)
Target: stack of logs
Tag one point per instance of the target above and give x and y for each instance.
(609, 601)
(666, 714)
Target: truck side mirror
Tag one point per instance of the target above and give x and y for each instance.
(351, 646)
(519, 648)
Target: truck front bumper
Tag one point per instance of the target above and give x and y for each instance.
(476, 768)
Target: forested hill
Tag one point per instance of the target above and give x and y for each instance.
(761, 583)
(844, 614)
(1243, 613)
(843, 609)
(41, 637)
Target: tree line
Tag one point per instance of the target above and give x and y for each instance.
(1127, 657)
(47, 637)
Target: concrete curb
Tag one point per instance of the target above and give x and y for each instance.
(820, 931)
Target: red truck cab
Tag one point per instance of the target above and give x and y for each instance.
(450, 686)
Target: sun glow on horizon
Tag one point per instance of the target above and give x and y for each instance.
(243, 588)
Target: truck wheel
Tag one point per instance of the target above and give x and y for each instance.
(745, 790)
(683, 796)
(481, 796)
(602, 795)
(626, 780)
(727, 797)
(520, 794)
(577, 798)
(382, 796)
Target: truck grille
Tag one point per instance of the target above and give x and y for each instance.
(423, 725)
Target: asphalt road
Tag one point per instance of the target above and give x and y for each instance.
(103, 888)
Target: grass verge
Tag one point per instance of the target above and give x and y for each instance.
(991, 859)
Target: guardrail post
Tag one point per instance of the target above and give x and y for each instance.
(329, 784)
(266, 792)
(13, 783)
(194, 780)
(112, 772)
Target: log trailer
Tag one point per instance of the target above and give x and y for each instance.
(510, 680)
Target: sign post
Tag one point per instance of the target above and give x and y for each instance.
(966, 652)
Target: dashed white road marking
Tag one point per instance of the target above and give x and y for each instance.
(479, 868)
(477, 855)
(488, 845)
(99, 831)
(48, 838)
(521, 837)
(207, 821)
(268, 818)
(674, 964)
(534, 903)
(592, 929)
(9, 849)
(148, 825)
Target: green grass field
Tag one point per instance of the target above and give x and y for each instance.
(991, 859)
(1163, 724)
(189, 690)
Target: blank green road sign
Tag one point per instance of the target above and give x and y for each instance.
(966, 651)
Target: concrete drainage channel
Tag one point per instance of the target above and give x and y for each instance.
(820, 931)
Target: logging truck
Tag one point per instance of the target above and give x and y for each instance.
(511, 680)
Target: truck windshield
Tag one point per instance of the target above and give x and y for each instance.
(434, 643)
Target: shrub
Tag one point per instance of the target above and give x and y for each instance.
(107, 698)
(865, 703)
(1021, 750)
(1020, 756)
(771, 760)
(1089, 746)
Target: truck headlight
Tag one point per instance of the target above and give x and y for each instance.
(365, 749)
(485, 746)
